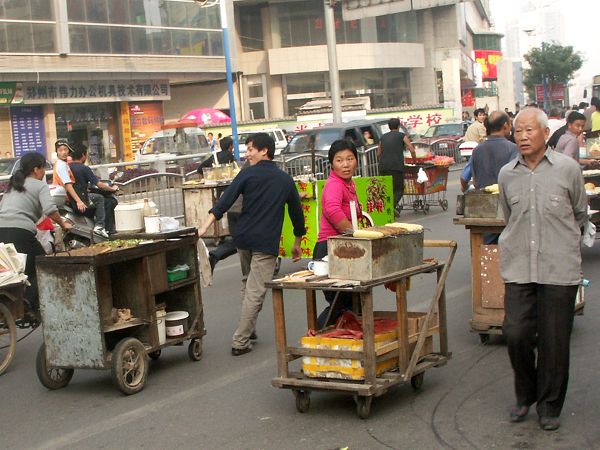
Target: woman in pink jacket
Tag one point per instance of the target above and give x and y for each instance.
(339, 191)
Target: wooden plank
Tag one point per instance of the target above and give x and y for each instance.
(157, 266)
(280, 338)
(473, 221)
(368, 325)
(476, 243)
(135, 322)
(325, 385)
(442, 320)
(402, 320)
(311, 309)
(492, 284)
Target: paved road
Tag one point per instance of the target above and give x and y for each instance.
(228, 402)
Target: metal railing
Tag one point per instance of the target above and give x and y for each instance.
(162, 188)
(304, 165)
(446, 147)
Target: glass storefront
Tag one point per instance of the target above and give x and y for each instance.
(93, 125)
(19, 35)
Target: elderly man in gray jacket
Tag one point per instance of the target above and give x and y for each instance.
(543, 197)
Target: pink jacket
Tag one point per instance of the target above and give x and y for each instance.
(335, 205)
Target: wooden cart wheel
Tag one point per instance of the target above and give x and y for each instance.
(444, 204)
(129, 366)
(51, 377)
(155, 355)
(484, 338)
(417, 381)
(195, 349)
(363, 406)
(302, 400)
(8, 337)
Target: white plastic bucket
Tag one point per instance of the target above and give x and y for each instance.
(160, 324)
(129, 217)
(176, 323)
(152, 224)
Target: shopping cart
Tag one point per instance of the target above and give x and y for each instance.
(420, 196)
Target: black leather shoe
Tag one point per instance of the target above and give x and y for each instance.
(518, 413)
(240, 351)
(549, 423)
(253, 336)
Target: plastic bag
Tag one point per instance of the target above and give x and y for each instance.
(422, 176)
(168, 224)
(46, 239)
(589, 234)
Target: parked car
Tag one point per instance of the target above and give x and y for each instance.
(182, 138)
(8, 166)
(466, 149)
(321, 138)
(455, 130)
(276, 133)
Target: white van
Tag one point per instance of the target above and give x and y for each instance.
(176, 139)
(275, 133)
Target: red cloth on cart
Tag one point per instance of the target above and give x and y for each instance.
(349, 326)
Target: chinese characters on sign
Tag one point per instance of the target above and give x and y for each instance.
(488, 60)
(11, 93)
(28, 130)
(555, 93)
(95, 91)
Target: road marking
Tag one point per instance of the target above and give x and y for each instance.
(159, 406)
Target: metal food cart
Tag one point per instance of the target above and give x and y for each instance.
(405, 352)
(12, 316)
(198, 199)
(421, 196)
(80, 293)
(487, 286)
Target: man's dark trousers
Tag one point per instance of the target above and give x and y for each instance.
(397, 183)
(539, 315)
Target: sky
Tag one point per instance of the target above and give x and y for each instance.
(579, 28)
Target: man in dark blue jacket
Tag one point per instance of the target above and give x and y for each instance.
(266, 190)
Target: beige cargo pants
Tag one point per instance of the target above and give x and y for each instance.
(257, 269)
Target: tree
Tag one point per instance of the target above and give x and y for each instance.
(558, 63)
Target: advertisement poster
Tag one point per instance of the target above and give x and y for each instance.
(126, 130)
(11, 93)
(145, 118)
(375, 198)
(488, 60)
(28, 130)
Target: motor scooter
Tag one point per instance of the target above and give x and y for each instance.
(82, 234)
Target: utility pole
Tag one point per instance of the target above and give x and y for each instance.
(334, 76)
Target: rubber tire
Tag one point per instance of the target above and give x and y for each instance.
(195, 349)
(302, 400)
(484, 338)
(155, 355)
(62, 376)
(10, 330)
(363, 406)
(416, 381)
(444, 204)
(416, 205)
(426, 208)
(134, 349)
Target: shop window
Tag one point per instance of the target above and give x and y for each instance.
(120, 39)
(26, 10)
(96, 11)
(99, 39)
(400, 27)
(3, 40)
(251, 31)
(257, 110)
(20, 37)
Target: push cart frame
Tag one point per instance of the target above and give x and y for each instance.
(421, 196)
(411, 366)
(78, 295)
(486, 318)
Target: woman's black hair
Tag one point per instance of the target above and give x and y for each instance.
(341, 145)
(27, 163)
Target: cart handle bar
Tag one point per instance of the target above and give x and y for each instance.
(435, 243)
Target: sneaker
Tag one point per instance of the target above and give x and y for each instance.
(241, 351)
(549, 423)
(518, 413)
(253, 336)
(100, 231)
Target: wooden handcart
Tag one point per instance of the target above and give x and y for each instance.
(12, 316)
(80, 294)
(408, 367)
(487, 286)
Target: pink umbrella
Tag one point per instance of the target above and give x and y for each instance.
(205, 115)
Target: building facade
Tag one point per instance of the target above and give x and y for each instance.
(403, 53)
(99, 72)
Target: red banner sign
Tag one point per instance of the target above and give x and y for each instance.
(488, 60)
(556, 93)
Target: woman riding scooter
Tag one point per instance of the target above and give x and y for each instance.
(24, 203)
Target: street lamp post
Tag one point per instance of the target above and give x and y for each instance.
(229, 74)
(334, 76)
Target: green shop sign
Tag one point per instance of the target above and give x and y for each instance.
(11, 93)
(374, 195)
